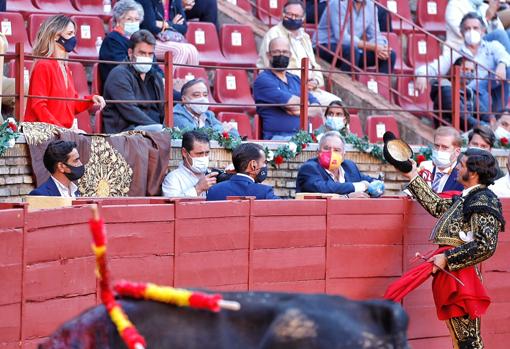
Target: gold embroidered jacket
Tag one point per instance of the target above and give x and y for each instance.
(470, 224)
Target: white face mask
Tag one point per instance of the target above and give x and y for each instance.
(335, 122)
(472, 37)
(200, 164)
(131, 27)
(476, 3)
(199, 108)
(441, 159)
(502, 133)
(142, 68)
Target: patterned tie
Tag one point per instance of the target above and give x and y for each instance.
(437, 179)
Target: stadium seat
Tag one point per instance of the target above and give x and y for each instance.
(421, 49)
(205, 38)
(377, 125)
(79, 78)
(12, 68)
(94, 8)
(355, 125)
(257, 128)
(411, 99)
(98, 122)
(238, 45)
(430, 15)
(97, 88)
(270, 11)
(190, 73)
(244, 4)
(25, 7)
(232, 86)
(56, 6)
(242, 121)
(34, 23)
(395, 43)
(378, 84)
(401, 8)
(13, 27)
(84, 121)
(315, 121)
(88, 29)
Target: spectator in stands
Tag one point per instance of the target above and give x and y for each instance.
(191, 179)
(166, 20)
(291, 27)
(443, 100)
(62, 160)
(202, 10)
(51, 78)
(491, 93)
(337, 118)
(330, 172)
(441, 173)
(488, 11)
(277, 86)
(135, 81)
(503, 126)
(481, 137)
(249, 161)
(189, 116)
(370, 46)
(501, 186)
(9, 86)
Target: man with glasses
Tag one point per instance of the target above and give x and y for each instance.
(361, 31)
(277, 86)
(291, 27)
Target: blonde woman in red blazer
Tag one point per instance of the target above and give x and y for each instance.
(52, 78)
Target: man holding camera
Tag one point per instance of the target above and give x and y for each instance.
(191, 179)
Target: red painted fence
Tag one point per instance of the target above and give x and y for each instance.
(349, 247)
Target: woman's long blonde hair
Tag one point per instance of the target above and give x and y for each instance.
(47, 34)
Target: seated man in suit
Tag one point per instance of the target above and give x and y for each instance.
(329, 172)
(62, 160)
(440, 173)
(250, 164)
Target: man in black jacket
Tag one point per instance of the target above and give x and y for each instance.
(136, 81)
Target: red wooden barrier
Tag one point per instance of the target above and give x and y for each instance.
(349, 247)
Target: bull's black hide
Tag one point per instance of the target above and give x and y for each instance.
(266, 320)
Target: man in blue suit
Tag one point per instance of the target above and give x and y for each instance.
(62, 160)
(318, 175)
(250, 164)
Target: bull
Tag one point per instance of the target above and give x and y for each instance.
(266, 320)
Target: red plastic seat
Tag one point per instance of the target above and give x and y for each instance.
(243, 123)
(378, 124)
(421, 49)
(56, 6)
(84, 121)
(395, 43)
(316, 122)
(13, 27)
(270, 11)
(378, 84)
(244, 4)
(88, 29)
(401, 8)
(232, 86)
(98, 122)
(94, 8)
(97, 88)
(430, 15)
(205, 38)
(12, 68)
(411, 99)
(25, 7)
(238, 45)
(256, 127)
(34, 23)
(355, 125)
(79, 78)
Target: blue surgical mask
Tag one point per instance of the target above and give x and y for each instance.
(335, 122)
(476, 3)
(131, 27)
(142, 68)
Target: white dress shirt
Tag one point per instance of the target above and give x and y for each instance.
(181, 183)
(501, 187)
(65, 191)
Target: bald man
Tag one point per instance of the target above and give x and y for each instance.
(277, 86)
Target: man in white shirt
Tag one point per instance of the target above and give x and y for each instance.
(501, 187)
(190, 178)
(440, 173)
(62, 160)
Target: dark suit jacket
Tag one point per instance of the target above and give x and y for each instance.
(451, 184)
(240, 186)
(312, 178)
(48, 188)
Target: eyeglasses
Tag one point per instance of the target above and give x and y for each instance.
(280, 53)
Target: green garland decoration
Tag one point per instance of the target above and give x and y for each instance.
(224, 139)
(8, 134)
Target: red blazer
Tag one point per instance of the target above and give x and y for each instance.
(47, 80)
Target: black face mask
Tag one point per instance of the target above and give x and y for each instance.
(262, 175)
(68, 44)
(280, 61)
(292, 24)
(76, 172)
